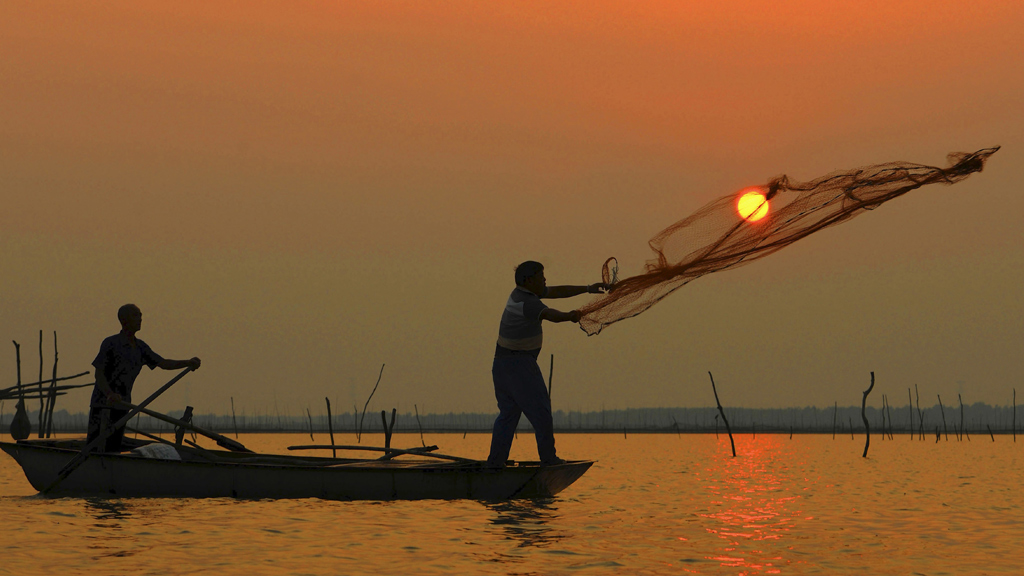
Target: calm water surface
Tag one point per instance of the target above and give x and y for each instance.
(653, 504)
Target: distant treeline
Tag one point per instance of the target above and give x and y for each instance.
(977, 418)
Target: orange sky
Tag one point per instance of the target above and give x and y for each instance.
(299, 192)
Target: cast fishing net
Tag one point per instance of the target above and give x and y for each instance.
(740, 228)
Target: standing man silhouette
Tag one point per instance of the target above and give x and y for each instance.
(118, 364)
(518, 382)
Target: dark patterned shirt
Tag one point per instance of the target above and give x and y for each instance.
(121, 362)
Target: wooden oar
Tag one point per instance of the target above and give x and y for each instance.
(389, 451)
(222, 441)
(75, 462)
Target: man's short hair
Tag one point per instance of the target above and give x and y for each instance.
(124, 311)
(527, 269)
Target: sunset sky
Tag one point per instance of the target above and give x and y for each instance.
(298, 192)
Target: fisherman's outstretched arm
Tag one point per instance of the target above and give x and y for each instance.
(570, 291)
(166, 364)
(552, 315)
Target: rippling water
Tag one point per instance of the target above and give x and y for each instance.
(653, 504)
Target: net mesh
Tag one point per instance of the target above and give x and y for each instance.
(716, 237)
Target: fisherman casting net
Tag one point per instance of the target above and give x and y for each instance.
(738, 229)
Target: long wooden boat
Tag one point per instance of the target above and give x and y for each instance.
(216, 473)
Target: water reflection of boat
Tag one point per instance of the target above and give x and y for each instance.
(528, 522)
(217, 473)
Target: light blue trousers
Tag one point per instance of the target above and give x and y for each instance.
(519, 388)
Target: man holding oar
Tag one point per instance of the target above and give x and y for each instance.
(118, 364)
(518, 382)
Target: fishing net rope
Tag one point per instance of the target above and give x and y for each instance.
(740, 228)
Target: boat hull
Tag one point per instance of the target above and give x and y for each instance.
(270, 476)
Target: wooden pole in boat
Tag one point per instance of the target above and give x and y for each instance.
(77, 461)
(21, 426)
(722, 412)
(179, 432)
(330, 425)
(41, 401)
(14, 389)
(60, 390)
(392, 452)
(388, 429)
(51, 401)
(864, 416)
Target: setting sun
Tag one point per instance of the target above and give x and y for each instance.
(752, 206)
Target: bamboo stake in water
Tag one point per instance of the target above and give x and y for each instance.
(864, 416)
(359, 435)
(835, 413)
(233, 421)
(1014, 414)
(910, 409)
(963, 431)
(920, 415)
(310, 416)
(943, 412)
(330, 426)
(888, 411)
(420, 425)
(883, 416)
(722, 412)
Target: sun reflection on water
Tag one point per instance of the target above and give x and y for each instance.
(751, 499)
